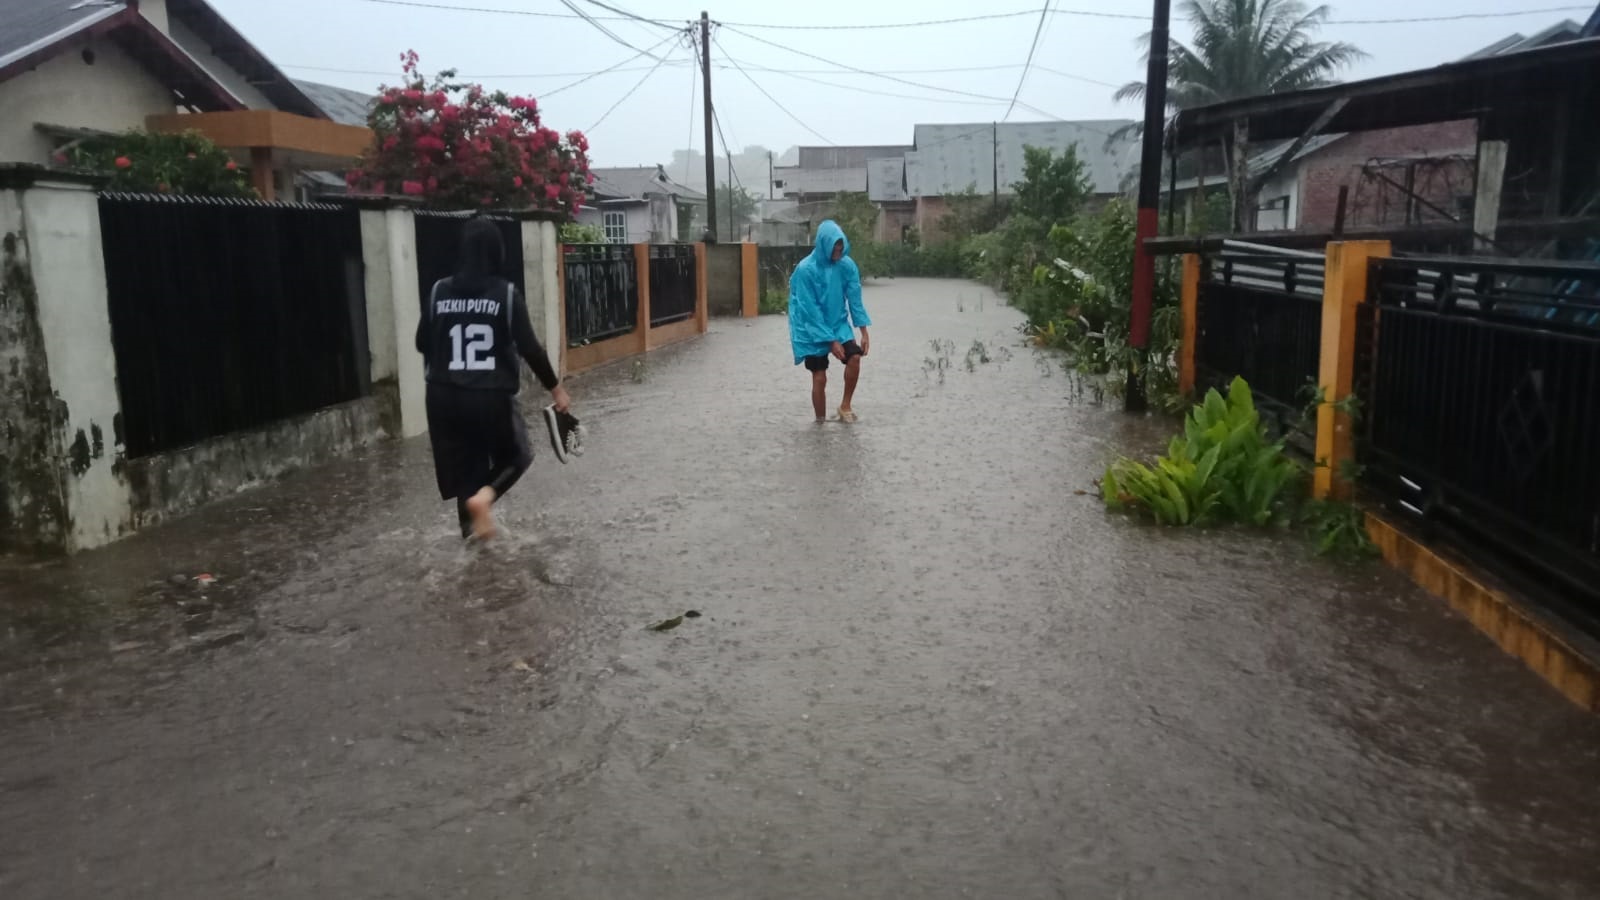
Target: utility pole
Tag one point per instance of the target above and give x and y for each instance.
(1144, 265)
(733, 224)
(994, 136)
(769, 175)
(711, 154)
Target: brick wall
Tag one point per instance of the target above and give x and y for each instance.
(1371, 202)
(930, 211)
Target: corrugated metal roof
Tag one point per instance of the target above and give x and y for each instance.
(342, 105)
(796, 180)
(886, 180)
(31, 25)
(636, 181)
(951, 158)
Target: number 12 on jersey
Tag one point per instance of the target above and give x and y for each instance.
(477, 353)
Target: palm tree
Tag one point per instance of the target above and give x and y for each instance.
(1246, 48)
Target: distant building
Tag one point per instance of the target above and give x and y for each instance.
(642, 204)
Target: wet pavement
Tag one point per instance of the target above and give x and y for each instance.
(927, 666)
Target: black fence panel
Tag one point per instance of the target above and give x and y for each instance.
(230, 314)
(601, 292)
(1261, 319)
(776, 264)
(439, 243)
(672, 283)
(1481, 412)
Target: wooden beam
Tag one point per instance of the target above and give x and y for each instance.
(1486, 202)
(1321, 122)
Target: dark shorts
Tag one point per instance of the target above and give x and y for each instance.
(477, 437)
(820, 363)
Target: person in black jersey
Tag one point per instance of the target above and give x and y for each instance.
(474, 326)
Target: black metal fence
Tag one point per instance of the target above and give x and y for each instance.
(1260, 317)
(601, 294)
(230, 314)
(439, 243)
(672, 283)
(1481, 408)
(776, 264)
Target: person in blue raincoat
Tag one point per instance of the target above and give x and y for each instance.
(824, 311)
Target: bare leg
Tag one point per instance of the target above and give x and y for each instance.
(480, 507)
(819, 395)
(852, 373)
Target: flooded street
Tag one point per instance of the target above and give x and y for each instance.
(927, 665)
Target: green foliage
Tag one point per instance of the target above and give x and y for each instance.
(774, 303)
(574, 233)
(1339, 530)
(1053, 188)
(1221, 468)
(147, 162)
(971, 214)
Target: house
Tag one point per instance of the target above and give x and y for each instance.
(988, 158)
(805, 186)
(1492, 152)
(346, 107)
(76, 68)
(642, 205)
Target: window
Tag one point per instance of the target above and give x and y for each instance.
(616, 224)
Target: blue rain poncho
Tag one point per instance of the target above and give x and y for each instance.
(825, 297)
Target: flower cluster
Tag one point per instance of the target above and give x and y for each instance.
(458, 145)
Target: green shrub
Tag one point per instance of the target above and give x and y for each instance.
(149, 162)
(774, 303)
(1221, 468)
(574, 233)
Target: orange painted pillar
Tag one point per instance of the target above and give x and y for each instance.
(702, 307)
(1344, 290)
(1190, 307)
(748, 262)
(641, 268)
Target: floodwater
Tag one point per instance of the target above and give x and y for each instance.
(926, 666)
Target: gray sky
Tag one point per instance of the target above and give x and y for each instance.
(519, 53)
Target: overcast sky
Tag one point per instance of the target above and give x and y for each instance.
(537, 55)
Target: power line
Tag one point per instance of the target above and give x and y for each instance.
(764, 93)
(694, 86)
(478, 75)
(861, 90)
(638, 84)
(569, 4)
(1044, 16)
(633, 16)
(880, 26)
(593, 75)
(915, 84)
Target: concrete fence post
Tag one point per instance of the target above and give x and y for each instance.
(1190, 307)
(749, 263)
(541, 279)
(641, 279)
(1345, 289)
(394, 307)
(60, 459)
(702, 303)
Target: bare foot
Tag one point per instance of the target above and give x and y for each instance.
(480, 507)
(846, 414)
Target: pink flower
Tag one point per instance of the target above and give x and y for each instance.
(551, 192)
(411, 188)
(588, 178)
(122, 162)
(413, 95)
(517, 180)
(232, 166)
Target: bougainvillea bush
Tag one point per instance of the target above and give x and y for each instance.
(459, 146)
(146, 162)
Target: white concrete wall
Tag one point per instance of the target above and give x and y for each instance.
(229, 77)
(115, 94)
(62, 224)
(1285, 183)
(541, 257)
(382, 346)
(406, 302)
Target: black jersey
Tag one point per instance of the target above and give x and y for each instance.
(475, 341)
